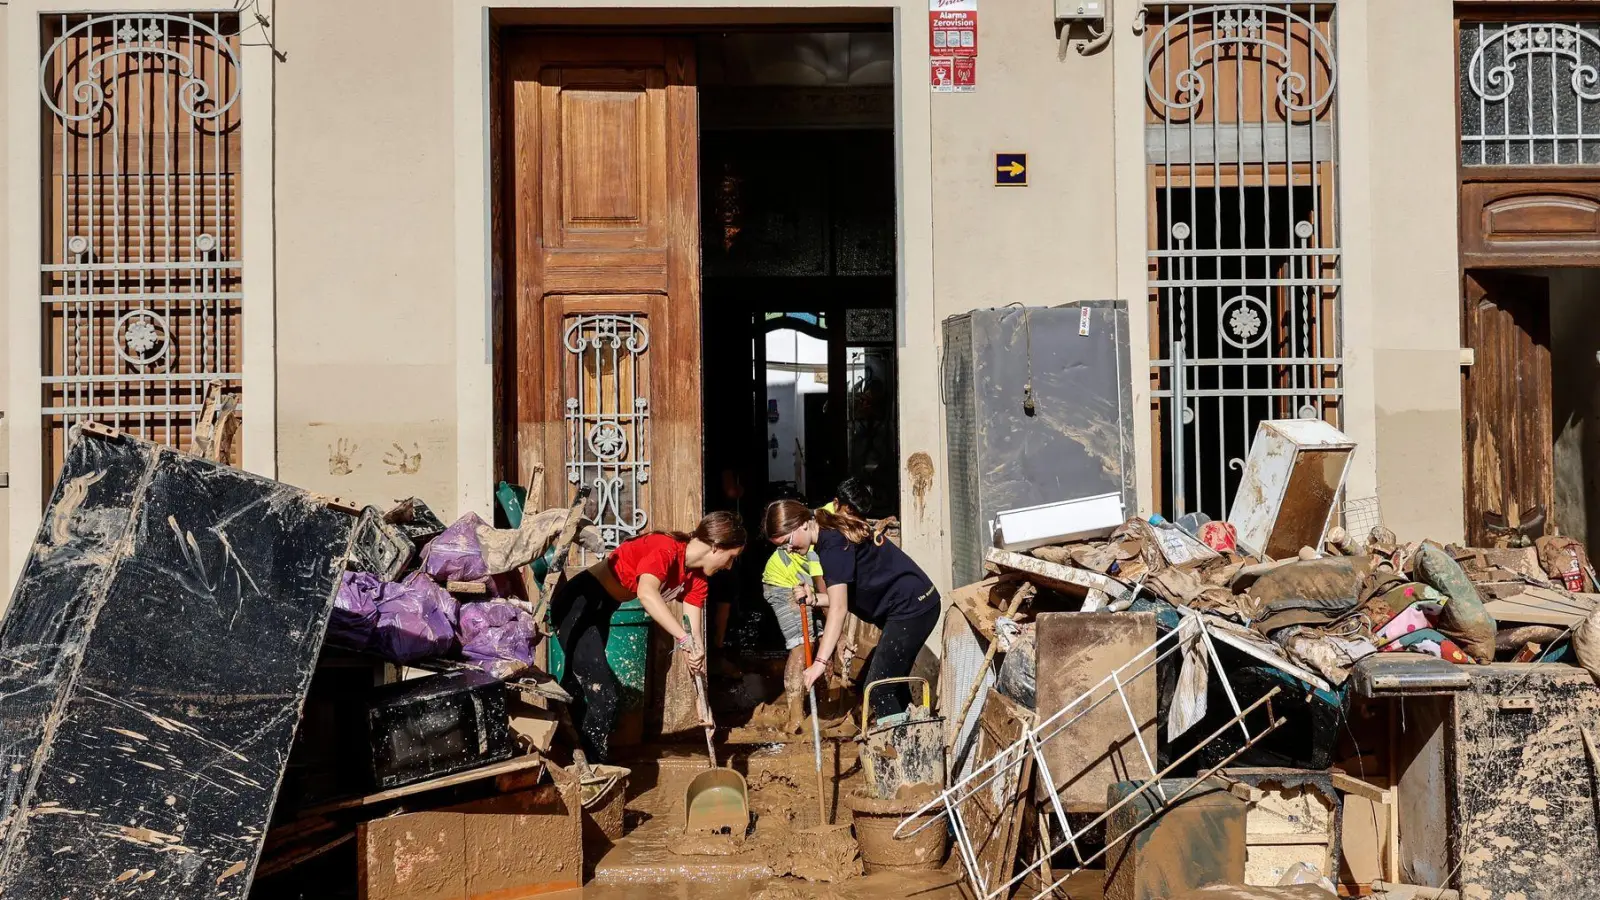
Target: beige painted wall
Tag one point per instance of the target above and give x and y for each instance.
(1407, 315)
(5, 336)
(365, 203)
(376, 211)
(1052, 242)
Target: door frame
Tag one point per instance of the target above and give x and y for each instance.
(483, 289)
(1515, 217)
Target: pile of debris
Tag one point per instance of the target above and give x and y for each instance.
(1167, 687)
(1326, 608)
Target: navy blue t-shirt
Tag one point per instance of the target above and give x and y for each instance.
(885, 585)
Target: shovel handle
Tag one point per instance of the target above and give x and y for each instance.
(816, 727)
(805, 627)
(705, 711)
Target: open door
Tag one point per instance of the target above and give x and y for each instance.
(603, 214)
(1506, 404)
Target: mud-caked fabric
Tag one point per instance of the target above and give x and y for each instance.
(582, 612)
(893, 657)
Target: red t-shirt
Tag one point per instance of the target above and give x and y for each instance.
(660, 555)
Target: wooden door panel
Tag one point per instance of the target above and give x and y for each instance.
(1529, 223)
(606, 272)
(605, 160)
(1506, 400)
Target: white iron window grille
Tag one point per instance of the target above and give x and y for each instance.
(140, 281)
(608, 419)
(1530, 93)
(1244, 261)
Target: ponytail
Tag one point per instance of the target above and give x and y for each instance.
(844, 520)
(720, 530)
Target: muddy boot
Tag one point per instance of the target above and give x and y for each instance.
(795, 706)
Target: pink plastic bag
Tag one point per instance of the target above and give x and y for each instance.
(456, 554)
(354, 618)
(499, 637)
(416, 620)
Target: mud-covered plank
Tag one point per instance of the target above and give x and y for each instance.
(1068, 579)
(993, 817)
(1094, 746)
(174, 690)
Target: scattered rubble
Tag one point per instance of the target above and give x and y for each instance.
(1262, 707)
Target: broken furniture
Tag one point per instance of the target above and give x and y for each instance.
(1490, 775)
(1060, 725)
(1288, 493)
(437, 725)
(1160, 850)
(1039, 409)
(996, 816)
(1520, 786)
(1084, 649)
(153, 663)
(1293, 817)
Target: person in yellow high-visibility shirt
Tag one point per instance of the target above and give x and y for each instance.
(783, 585)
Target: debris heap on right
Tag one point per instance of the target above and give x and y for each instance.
(1291, 700)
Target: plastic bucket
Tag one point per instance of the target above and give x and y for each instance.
(875, 822)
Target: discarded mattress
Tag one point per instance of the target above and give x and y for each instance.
(153, 665)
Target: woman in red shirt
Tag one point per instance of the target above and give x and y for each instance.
(657, 568)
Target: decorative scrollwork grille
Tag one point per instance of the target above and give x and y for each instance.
(141, 276)
(1244, 260)
(1530, 93)
(607, 411)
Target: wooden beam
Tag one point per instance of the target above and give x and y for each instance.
(1051, 574)
(515, 764)
(1351, 785)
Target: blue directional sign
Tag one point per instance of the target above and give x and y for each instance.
(1011, 170)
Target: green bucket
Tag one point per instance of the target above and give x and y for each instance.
(627, 647)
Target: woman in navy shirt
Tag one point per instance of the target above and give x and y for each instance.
(874, 579)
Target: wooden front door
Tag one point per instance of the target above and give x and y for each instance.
(1506, 403)
(603, 216)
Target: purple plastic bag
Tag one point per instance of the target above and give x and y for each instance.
(492, 633)
(355, 611)
(416, 620)
(456, 555)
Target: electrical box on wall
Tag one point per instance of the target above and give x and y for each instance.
(1090, 12)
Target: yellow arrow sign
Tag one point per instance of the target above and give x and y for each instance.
(1013, 170)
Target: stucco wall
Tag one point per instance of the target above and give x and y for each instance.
(1404, 319)
(365, 222)
(5, 337)
(1051, 242)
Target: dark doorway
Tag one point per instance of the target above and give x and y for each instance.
(798, 260)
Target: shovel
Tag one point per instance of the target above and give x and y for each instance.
(705, 715)
(816, 728)
(717, 801)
